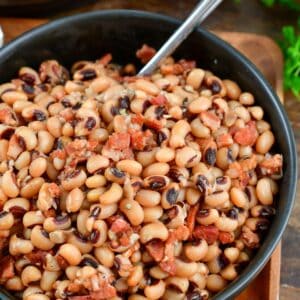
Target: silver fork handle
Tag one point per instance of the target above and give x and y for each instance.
(202, 10)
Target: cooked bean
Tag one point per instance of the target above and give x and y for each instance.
(187, 157)
(264, 191)
(156, 169)
(178, 133)
(74, 200)
(113, 195)
(155, 291)
(30, 274)
(185, 269)
(164, 155)
(131, 167)
(97, 162)
(40, 238)
(38, 167)
(148, 198)
(152, 214)
(233, 90)
(216, 199)
(196, 251)
(70, 253)
(133, 211)
(264, 142)
(152, 231)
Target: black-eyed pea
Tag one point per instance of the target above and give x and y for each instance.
(170, 195)
(178, 214)
(157, 273)
(29, 75)
(95, 181)
(224, 223)
(32, 187)
(155, 230)
(223, 183)
(239, 198)
(198, 280)
(32, 290)
(179, 283)
(148, 198)
(232, 254)
(79, 241)
(185, 269)
(178, 133)
(67, 130)
(3, 150)
(19, 246)
(10, 97)
(176, 112)
(23, 160)
(48, 279)
(264, 191)
(40, 238)
(99, 134)
(187, 157)
(9, 184)
(136, 275)
(51, 171)
(215, 283)
(58, 236)
(73, 180)
(105, 256)
(216, 199)
(146, 158)
(71, 272)
(60, 287)
(115, 175)
(152, 214)
(198, 129)
(74, 200)
(156, 169)
(38, 167)
(265, 142)
(54, 126)
(37, 126)
(195, 78)
(233, 90)
(129, 166)
(37, 297)
(262, 126)
(100, 84)
(155, 291)
(223, 158)
(229, 273)
(245, 152)
(107, 210)
(256, 112)
(30, 274)
(246, 98)
(108, 110)
(98, 235)
(70, 253)
(112, 195)
(195, 251)
(3, 197)
(133, 211)
(263, 211)
(6, 220)
(147, 86)
(5, 87)
(192, 196)
(57, 223)
(14, 284)
(172, 293)
(212, 252)
(21, 203)
(31, 218)
(94, 194)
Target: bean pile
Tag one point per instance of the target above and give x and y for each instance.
(114, 186)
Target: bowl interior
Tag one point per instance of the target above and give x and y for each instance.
(89, 36)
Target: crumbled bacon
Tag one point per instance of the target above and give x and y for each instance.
(145, 53)
(140, 139)
(226, 237)
(63, 264)
(156, 249)
(250, 238)
(210, 233)
(224, 140)
(119, 225)
(37, 257)
(272, 165)
(246, 136)
(159, 100)
(171, 69)
(210, 120)
(119, 141)
(191, 218)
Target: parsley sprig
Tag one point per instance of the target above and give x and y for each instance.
(290, 46)
(292, 4)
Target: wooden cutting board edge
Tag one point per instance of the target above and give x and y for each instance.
(268, 281)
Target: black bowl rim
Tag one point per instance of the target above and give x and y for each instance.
(254, 268)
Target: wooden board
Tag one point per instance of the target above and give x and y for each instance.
(266, 55)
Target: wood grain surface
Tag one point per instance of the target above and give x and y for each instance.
(270, 63)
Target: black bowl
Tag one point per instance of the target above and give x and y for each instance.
(121, 32)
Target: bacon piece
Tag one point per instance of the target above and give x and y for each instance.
(62, 262)
(145, 53)
(119, 141)
(140, 139)
(6, 269)
(192, 217)
(156, 249)
(168, 69)
(210, 120)
(272, 164)
(106, 291)
(138, 119)
(226, 237)
(246, 136)
(250, 238)
(59, 153)
(153, 124)
(249, 163)
(224, 140)
(119, 225)
(159, 100)
(105, 59)
(37, 257)
(54, 189)
(210, 233)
